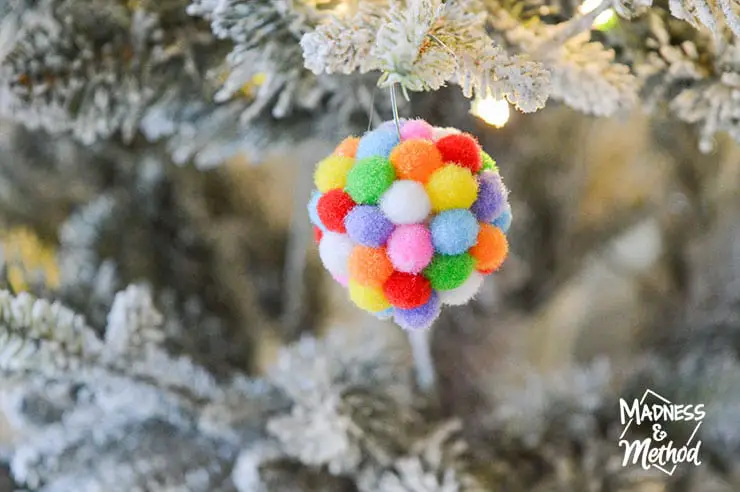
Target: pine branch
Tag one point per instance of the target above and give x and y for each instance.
(422, 45)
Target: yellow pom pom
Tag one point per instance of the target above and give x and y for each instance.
(370, 299)
(331, 173)
(451, 187)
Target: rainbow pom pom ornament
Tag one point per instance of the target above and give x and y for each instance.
(412, 222)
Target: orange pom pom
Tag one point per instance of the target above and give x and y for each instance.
(348, 147)
(416, 159)
(491, 249)
(369, 266)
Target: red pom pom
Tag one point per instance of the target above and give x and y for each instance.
(406, 290)
(317, 234)
(333, 207)
(486, 272)
(462, 149)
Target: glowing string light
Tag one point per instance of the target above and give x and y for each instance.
(493, 111)
(604, 20)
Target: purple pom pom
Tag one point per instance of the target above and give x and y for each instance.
(367, 225)
(420, 317)
(492, 197)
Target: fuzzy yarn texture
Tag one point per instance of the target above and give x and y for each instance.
(449, 272)
(463, 294)
(367, 225)
(491, 248)
(416, 159)
(439, 133)
(371, 299)
(420, 317)
(454, 231)
(492, 195)
(369, 266)
(406, 202)
(450, 187)
(369, 178)
(410, 222)
(503, 221)
(416, 129)
(406, 290)
(487, 162)
(333, 207)
(331, 173)
(313, 212)
(334, 251)
(410, 248)
(461, 149)
(377, 143)
(348, 147)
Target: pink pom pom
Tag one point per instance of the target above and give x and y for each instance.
(416, 129)
(343, 281)
(410, 248)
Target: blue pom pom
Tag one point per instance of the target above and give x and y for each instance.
(503, 221)
(385, 314)
(313, 213)
(378, 142)
(454, 231)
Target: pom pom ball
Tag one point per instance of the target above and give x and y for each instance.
(369, 266)
(491, 248)
(416, 129)
(406, 202)
(416, 159)
(419, 317)
(491, 197)
(368, 226)
(503, 221)
(331, 173)
(334, 251)
(368, 298)
(369, 178)
(439, 133)
(313, 212)
(452, 187)
(410, 248)
(461, 295)
(410, 224)
(488, 164)
(377, 143)
(454, 231)
(406, 290)
(449, 272)
(461, 149)
(332, 208)
(348, 147)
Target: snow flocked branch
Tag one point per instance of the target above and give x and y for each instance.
(338, 409)
(423, 44)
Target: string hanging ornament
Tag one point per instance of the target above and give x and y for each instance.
(410, 217)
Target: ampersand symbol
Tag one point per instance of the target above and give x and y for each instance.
(658, 433)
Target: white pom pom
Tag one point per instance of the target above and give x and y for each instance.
(464, 293)
(406, 202)
(334, 250)
(439, 132)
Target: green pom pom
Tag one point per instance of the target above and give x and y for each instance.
(369, 178)
(488, 163)
(449, 272)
